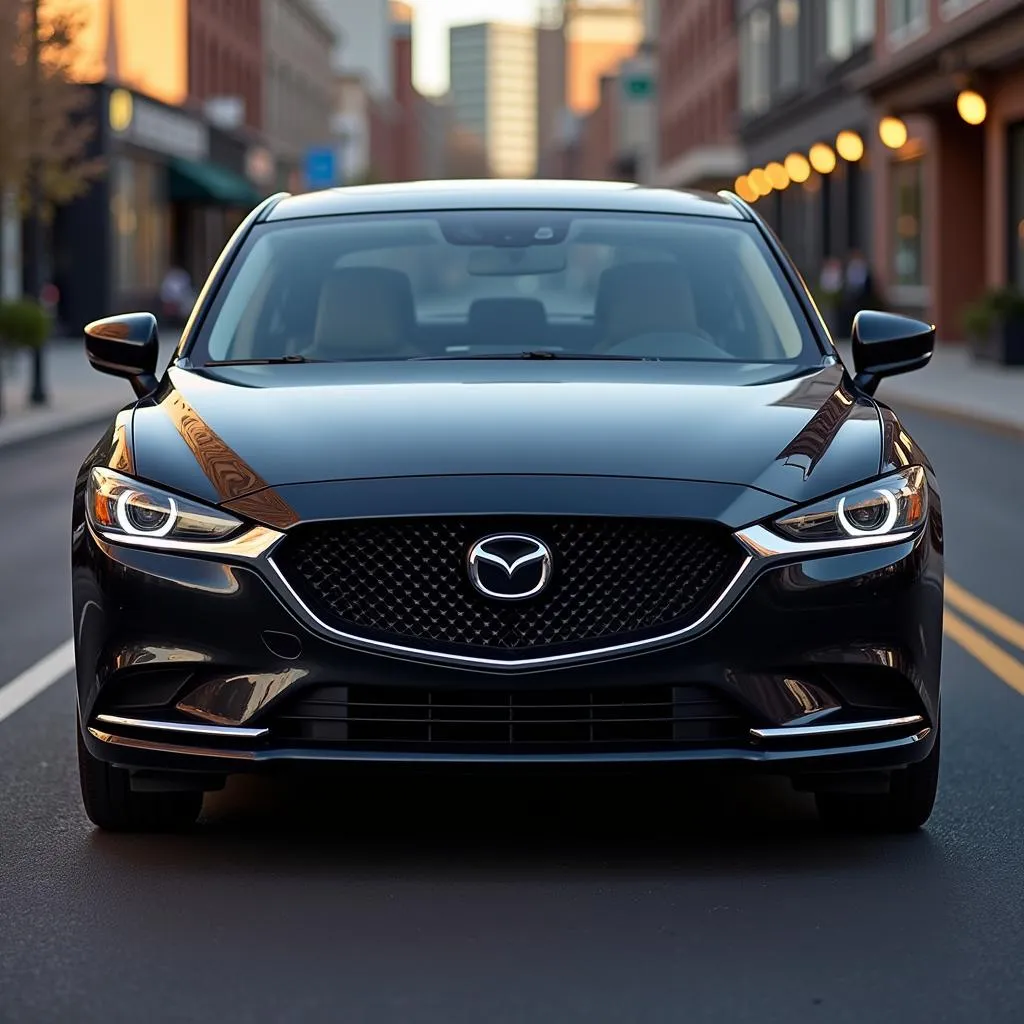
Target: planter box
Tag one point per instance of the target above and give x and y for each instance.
(1004, 343)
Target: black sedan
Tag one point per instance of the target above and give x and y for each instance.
(520, 474)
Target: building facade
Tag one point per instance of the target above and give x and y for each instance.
(408, 109)
(949, 211)
(802, 125)
(177, 139)
(298, 86)
(493, 84)
(599, 35)
(551, 105)
(173, 191)
(225, 58)
(698, 95)
(362, 41)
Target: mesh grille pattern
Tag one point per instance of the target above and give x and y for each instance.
(407, 578)
(608, 718)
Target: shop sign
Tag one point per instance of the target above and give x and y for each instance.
(154, 127)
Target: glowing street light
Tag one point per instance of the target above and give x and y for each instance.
(745, 190)
(797, 167)
(777, 175)
(850, 146)
(759, 182)
(971, 106)
(893, 132)
(823, 158)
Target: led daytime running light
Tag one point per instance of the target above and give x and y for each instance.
(126, 524)
(893, 510)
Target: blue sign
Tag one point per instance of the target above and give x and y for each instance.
(320, 168)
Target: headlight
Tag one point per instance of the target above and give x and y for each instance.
(125, 509)
(894, 504)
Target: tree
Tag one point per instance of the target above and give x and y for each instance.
(43, 127)
(42, 116)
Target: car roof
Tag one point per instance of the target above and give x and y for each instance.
(615, 196)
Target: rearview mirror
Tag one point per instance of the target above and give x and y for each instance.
(885, 344)
(125, 346)
(521, 262)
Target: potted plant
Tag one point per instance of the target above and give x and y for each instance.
(995, 326)
(23, 324)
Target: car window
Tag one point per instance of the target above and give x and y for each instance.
(415, 285)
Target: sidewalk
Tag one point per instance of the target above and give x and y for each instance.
(78, 395)
(955, 386)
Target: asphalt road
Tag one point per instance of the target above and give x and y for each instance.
(718, 903)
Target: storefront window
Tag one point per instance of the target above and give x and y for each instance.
(848, 24)
(908, 252)
(755, 64)
(1016, 205)
(788, 18)
(139, 225)
(907, 19)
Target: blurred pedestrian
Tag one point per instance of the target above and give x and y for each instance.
(177, 295)
(858, 290)
(830, 291)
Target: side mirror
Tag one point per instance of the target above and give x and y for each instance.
(125, 346)
(885, 344)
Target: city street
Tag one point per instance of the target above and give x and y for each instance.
(724, 903)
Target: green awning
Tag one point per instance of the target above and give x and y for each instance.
(191, 182)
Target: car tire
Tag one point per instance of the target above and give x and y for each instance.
(111, 804)
(904, 808)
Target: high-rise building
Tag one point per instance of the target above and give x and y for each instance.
(493, 82)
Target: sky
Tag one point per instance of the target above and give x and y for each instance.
(432, 20)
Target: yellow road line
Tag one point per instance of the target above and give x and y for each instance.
(984, 614)
(988, 652)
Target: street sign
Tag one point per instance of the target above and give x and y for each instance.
(320, 171)
(638, 86)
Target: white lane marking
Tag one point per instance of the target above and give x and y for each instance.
(42, 675)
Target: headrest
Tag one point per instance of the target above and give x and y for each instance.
(509, 321)
(644, 298)
(365, 313)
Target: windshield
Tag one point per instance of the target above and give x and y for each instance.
(489, 284)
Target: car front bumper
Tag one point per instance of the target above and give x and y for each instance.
(831, 662)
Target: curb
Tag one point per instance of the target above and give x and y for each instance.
(991, 424)
(25, 430)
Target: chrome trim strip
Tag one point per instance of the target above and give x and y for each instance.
(190, 728)
(170, 748)
(764, 543)
(251, 544)
(785, 732)
(762, 754)
(554, 659)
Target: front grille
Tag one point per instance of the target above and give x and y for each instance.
(386, 718)
(407, 578)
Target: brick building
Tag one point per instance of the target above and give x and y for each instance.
(698, 94)
(949, 201)
(801, 122)
(225, 54)
(408, 110)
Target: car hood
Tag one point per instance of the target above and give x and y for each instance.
(220, 435)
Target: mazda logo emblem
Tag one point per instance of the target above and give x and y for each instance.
(509, 566)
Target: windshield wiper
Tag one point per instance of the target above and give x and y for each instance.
(270, 361)
(534, 354)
